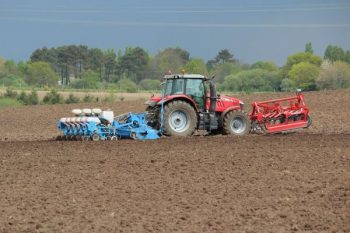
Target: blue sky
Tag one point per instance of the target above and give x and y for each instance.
(252, 30)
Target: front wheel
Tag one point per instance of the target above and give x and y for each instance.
(309, 121)
(236, 123)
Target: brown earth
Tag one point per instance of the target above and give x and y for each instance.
(298, 182)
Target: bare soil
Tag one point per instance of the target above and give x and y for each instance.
(296, 182)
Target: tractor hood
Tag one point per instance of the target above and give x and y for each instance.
(229, 99)
(225, 102)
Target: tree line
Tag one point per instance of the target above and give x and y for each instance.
(131, 69)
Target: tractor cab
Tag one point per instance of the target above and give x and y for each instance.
(192, 86)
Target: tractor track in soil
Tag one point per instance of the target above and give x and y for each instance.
(296, 182)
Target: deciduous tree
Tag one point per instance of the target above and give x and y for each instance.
(41, 74)
(304, 75)
(196, 66)
(334, 53)
(334, 76)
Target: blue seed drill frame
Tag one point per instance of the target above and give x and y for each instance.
(129, 125)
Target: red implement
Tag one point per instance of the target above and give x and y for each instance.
(280, 115)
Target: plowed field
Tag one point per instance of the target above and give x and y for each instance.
(297, 182)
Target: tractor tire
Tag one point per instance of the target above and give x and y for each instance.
(309, 121)
(236, 123)
(179, 119)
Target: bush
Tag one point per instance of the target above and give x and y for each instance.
(33, 98)
(11, 93)
(287, 85)
(88, 99)
(53, 98)
(231, 83)
(23, 98)
(252, 80)
(127, 85)
(72, 99)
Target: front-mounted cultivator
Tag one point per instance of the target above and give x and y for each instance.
(189, 102)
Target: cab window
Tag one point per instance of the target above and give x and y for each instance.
(195, 87)
(174, 87)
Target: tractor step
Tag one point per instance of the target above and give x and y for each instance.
(207, 121)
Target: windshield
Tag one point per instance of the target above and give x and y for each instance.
(174, 87)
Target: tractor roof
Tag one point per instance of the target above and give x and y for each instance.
(192, 76)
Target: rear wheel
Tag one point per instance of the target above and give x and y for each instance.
(236, 123)
(180, 119)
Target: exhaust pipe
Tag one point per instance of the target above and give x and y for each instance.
(213, 97)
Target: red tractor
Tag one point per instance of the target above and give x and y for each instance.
(190, 102)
